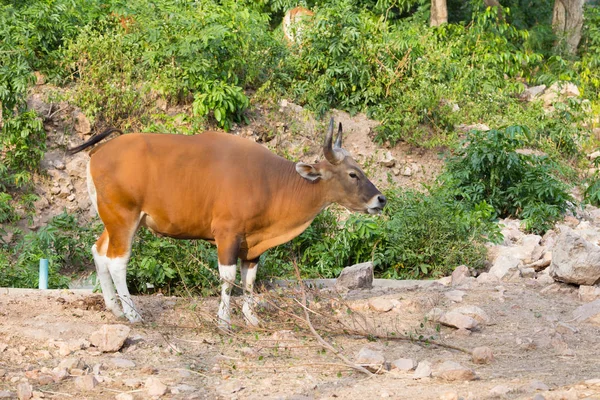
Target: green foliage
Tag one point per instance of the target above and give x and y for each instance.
(227, 103)
(7, 210)
(588, 66)
(176, 51)
(61, 241)
(488, 167)
(172, 266)
(406, 243)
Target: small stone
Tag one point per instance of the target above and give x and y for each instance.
(588, 293)
(536, 385)
(455, 295)
(381, 305)
(149, 370)
(59, 374)
(458, 320)
(249, 352)
(77, 372)
(132, 382)
(69, 363)
(486, 277)
(4, 394)
(404, 364)
(71, 197)
(370, 359)
(406, 171)
(124, 396)
(388, 161)
(423, 370)
(395, 171)
(453, 371)
(435, 314)
(460, 274)
(110, 338)
(482, 355)
(59, 165)
(24, 391)
(45, 379)
(500, 390)
(119, 362)
(155, 387)
(86, 382)
(474, 312)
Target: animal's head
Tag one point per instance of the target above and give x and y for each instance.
(345, 181)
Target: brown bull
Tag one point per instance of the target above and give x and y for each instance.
(217, 187)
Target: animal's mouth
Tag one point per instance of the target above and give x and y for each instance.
(374, 210)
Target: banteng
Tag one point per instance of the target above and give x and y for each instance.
(213, 186)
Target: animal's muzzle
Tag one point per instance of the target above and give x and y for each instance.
(376, 204)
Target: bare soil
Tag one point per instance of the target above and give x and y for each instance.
(531, 333)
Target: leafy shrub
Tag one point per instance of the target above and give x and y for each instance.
(61, 241)
(172, 266)
(488, 167)
(207, 49)
(408, 242)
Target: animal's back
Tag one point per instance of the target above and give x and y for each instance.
(184, 183)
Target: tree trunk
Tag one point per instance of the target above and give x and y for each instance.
(495, 4)
(567, 21)
(439, 12)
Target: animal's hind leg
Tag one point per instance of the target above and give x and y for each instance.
(106, 282)
(248, 271)
(117, 254)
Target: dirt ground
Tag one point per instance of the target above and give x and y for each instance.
(538, 349)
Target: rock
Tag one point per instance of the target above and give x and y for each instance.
(534, 386)
(455, 295)
(533, 92)
(458, 320)
(453, 371)
(370, 359)
(82, 124)
(388, 160)
(110, 338)
(396, 171)
(423, 370)
(358, 276)
(59, 374)
(446, 280)
(559, 91)
(589, 311)
(124, 396)
(380, 304)
(155, 387)
(482, 355)
(527, 272)
(119, 362)
(500, 390)
(24, 391)
(570, 394)
(434, 315)
(132, 382)
(37, 103)
(4, 394)
(70, 363)
(574, 259)
(486, 277)
(542, 263)
(460, 275)
(404, 364)
(86, 382)
(407, 171)
(588, 293)
(504, 264)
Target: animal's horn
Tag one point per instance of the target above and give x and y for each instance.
(338, 140)
(331, 155)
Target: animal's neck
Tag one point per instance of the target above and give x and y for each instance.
(304, 199)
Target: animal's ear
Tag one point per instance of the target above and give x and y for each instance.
(308, 171)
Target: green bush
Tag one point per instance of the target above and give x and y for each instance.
(62, 241)
(176, 51)
(488, 167)
(405, 243)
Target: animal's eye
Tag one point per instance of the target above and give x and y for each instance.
(353, 175)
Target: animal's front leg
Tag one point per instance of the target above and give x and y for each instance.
(227, 251)
(248, 271)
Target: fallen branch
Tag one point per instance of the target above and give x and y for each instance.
(316, 334)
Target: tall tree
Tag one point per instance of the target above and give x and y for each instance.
(567, 21)
(439, 12)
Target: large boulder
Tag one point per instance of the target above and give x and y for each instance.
(574, 259)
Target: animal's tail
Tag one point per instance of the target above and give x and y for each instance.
(93, 140)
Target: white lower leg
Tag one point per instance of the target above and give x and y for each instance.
(227, 274)
(118, 270)
(106, 283)
(248, 271)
